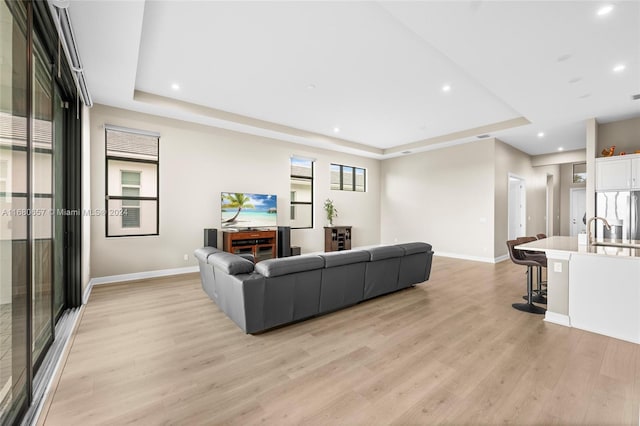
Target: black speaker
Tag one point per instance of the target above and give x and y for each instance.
(211, 237)
(284, 241)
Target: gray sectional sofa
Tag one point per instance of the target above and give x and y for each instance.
(280, 291)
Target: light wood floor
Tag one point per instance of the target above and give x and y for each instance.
(449, 351)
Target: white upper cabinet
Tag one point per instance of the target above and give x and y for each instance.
(635, 173)
(618, 173)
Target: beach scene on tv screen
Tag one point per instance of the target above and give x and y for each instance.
(243, 210)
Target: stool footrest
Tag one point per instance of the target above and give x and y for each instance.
(529, 307)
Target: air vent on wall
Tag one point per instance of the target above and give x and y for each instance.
(483, 136)
(635, 97)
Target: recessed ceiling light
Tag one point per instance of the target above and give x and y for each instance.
(446, 88)
(311, 86)
(560, 148)
(564, 57)
(619, 68)
(605, 10)
(175, 86)
(585, 96)
(336, 130)
(541, 134)
(575, 80)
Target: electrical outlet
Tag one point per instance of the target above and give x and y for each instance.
(186, 257)
(557, 267)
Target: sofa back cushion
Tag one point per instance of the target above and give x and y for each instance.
(414, 248)
(289, 265)
(384, 252)
(347, 257)
(381, 273)
(230, 263)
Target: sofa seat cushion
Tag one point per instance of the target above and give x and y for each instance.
(413, 248)
(202, 254)
(230, 263)
(339, 258)
(289, 265)
(385, 252)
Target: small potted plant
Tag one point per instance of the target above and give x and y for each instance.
(331, 211)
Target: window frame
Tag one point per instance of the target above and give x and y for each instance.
(354, 173)
(131, 160)
(580, 175)
(311, 179)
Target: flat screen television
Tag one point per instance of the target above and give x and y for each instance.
(241, 210)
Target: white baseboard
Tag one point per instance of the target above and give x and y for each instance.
(606, 332)
(474, 258)
(556, 318)
(135, 276)
(501, 258)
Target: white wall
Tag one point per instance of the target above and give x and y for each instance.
(510, 160)
(566, 178)
(197, 163)
(443, 197)
(624, 134)
(456, 198)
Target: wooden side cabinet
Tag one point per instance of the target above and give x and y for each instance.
(337, 238)
(261, 244)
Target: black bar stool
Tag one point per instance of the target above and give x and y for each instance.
(541, 259)
(518, 257)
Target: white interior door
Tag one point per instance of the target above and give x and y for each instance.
(517, 207)
(577, 210)
(550, 207)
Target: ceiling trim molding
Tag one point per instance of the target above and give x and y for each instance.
(575, 156)
(486, 129)
(238, 119)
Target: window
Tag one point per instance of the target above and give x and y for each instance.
(347, 178)
(131, 183)
(131, 207)
(580, 173)
(293, 208)
(4, 175)
(301, 193)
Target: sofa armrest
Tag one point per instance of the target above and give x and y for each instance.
(202, 254)
(413, 248)
(247, 256)
(230, 263)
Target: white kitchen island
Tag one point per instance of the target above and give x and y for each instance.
(593, 288)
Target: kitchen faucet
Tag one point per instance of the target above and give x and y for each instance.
(589, 236)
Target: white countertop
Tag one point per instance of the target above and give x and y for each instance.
(570, 244)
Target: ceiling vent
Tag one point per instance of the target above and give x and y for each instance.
(635, 97)
(483, 136)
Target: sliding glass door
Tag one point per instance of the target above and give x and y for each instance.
(39, 166)
(14, 247)
(41, 206)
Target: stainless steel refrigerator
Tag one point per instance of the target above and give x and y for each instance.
(622, 211)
